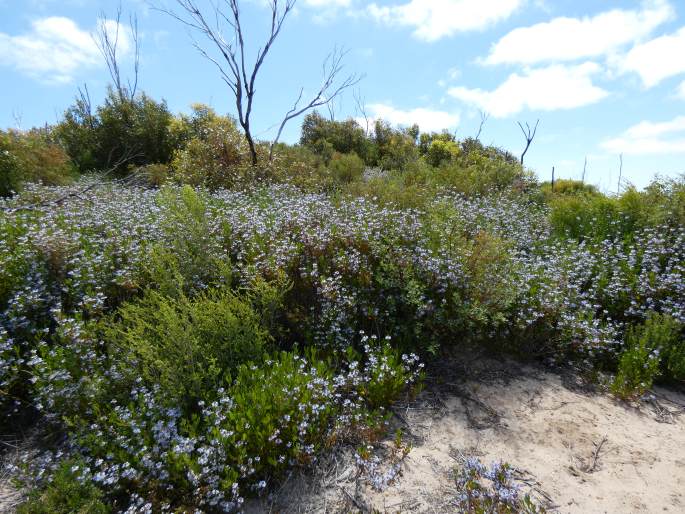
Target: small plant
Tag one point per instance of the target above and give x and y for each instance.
(388, 373)
(69, 492)
(483, 490)
(654, 348)
(371, 466)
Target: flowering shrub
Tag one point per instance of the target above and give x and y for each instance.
(272, 416)
(122, 309)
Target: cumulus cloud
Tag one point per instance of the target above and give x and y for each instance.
(648, 137)
(428, 120)
(55, 49)
(546, 89)
(657, 59)
(568, 39)
(435, 19)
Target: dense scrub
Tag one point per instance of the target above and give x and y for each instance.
(196, 329)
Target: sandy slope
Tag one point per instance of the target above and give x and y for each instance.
(545, 424)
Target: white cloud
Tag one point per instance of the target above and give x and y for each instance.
(568, 39)
(680, 92)
(324, 11)
(435, 19)
(657, 59)
(648, 137)
(55, 49)
(326, 4)
(427, 119)
(545, 89)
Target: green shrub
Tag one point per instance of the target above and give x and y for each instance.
(387, 373)
(67, 493)
(187, 259)
(300, 166)
(137, 128)
(584, 217)
(32, 156)
(396, 147)
(426, 139)
(155, 175)
(346, 168)
(654, 348)
(274, 415)
(187, 346)
(328, 136)
(10, 176)
(440, 152)
(474, 146)
(580, 212)
(568, 187)
(666, 197)
(215, 153)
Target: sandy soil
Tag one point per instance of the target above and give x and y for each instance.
(578, 450)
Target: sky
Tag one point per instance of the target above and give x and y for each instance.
(603, 77)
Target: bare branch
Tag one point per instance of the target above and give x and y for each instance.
(360, 107)
(332, 66)
(529, 135)
(483, 118)
(108, 44)
(330, 106)
(620, 173)
(17, 116)
(133, 22)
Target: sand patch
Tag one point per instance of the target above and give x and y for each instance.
(578, 451)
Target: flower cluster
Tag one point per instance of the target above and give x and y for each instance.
(490, 489)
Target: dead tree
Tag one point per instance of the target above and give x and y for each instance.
(107, 42)
(529, 135)
(483, 118)
(584, 168)
(224, 16)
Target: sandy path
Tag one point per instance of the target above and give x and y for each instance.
(540, 422)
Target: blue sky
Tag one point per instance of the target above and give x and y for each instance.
(604, 77)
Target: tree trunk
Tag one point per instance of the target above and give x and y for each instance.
(250, 142)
